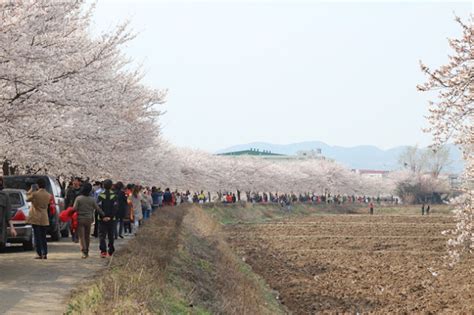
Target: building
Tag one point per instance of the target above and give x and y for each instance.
(371, 173)
(314, 154)
(252, 152)
(310, 154)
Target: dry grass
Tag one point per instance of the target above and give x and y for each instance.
(239, 290)
(178, 264)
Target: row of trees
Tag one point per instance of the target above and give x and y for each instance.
(73, 104)
(191, 169)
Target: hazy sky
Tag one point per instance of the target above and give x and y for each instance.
(288, 71)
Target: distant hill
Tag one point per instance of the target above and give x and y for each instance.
(359, 157)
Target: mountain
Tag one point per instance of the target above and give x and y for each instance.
(359, 157)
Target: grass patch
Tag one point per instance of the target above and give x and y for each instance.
(89, 299)
(178, 264)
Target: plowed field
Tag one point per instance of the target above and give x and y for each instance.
(358, 263)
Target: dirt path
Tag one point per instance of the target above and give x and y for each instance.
(29, 286)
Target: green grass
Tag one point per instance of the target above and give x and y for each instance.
(89, 300)
(204, 265)
(171, 302)
(260, 213)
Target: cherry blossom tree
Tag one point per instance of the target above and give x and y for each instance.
(69, 103)
(451, 117)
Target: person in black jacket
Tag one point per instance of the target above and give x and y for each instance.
(167, 198)
(122, 205)
(108, 202)
(72, 192)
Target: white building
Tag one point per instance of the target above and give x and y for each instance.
(371, 173)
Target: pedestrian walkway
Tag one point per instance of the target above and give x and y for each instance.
(29, 286)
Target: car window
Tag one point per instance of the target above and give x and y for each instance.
(56, 187)
(25, 182)
(16, 200)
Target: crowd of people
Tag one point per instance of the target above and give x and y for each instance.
(317, 199)
(105, 210)
(115, 210)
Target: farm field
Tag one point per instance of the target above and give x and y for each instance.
(357, 263)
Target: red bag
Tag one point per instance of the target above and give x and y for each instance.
(74, 222)
(67, 215)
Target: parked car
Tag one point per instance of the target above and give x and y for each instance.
(56, 228)
(4, 210)
(19, 214)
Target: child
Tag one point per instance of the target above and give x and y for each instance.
(70, 215)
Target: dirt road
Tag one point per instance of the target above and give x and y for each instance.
(29, 286)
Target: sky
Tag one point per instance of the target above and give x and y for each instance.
(344, 73)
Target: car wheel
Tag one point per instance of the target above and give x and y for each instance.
(64, 229)
(28, 245)
(65, 233)
(56, 235)
(2, 247)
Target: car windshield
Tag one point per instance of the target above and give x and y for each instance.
(16, 200)
(25, 182)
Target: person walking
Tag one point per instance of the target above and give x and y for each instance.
(97, 189)
(201, 197)
(85, 206)
(72, 192)
(371, 207)
(127, 221)
(122, 207)
(428, 210)
(38, 216)
(135, 201)
(160, 197)
(108, 203)
(423, 209)
(167, 198)
(146, 203)
(155, 196)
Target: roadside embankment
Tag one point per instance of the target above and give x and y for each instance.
(179, 263)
